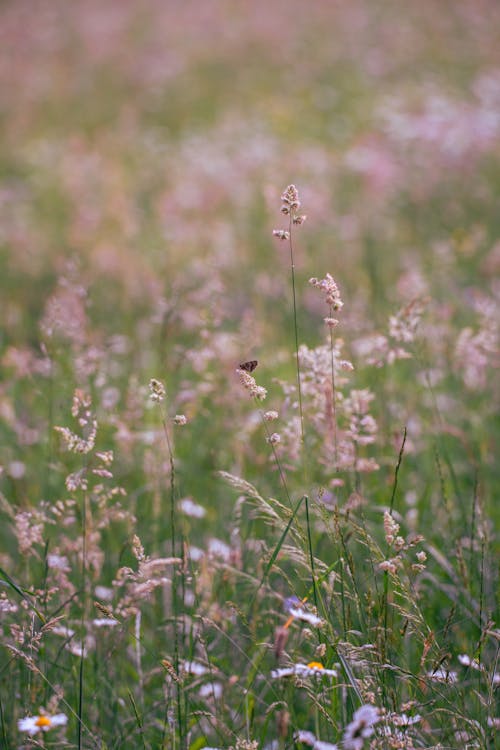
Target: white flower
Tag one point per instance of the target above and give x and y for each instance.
(63, 631)
(195, 668)
(104, 622)
(6, 605)
(442, 675)
(211, 690)
(303, 670)
(190, 508)
(308, 738)
(105, 593)
(302, 614)
(274, 439)
(218, 548)
(466, 661)
(195, 553)
(41, 723)
(360, 727)
(60, 562)
(77, 648)
(403, 720)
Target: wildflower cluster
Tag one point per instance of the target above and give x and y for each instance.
(477, 348)
(354, 735)
(250, 384)
(81, 411)
(379, 350)
(362, 429)
(329, 288)
(135, 586)
(290, 205)
(400, 545)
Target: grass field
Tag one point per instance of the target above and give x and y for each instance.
(198, 551)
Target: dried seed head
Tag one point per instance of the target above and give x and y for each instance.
(274, 439)
(391, 528)
(282, 723)
(281, 234)
(290, 204)
(157, 390)
(137, 548)
(271, 415)
(330, 289)
(320, 650)
(280, 639)
(249, 383)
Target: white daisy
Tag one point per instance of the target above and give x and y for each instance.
(360, 727)
(41, 723)
(308, 738)
(305, 616)
(443, 675)
(303, 670)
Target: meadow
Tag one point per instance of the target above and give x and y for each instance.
(249, 285)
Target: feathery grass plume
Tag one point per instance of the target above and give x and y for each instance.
(332, 298)
(403, 329)
(249, 383)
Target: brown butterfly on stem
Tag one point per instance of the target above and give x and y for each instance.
(249, 366)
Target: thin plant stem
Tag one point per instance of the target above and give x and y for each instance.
(334, 397)
(276, 458)
(2, 723)
(84, 604)
(481, 593)
(396, 471)
(473, 529)
(311, 556)
(386, 573)
(175, 601)
(295, 325)
(138, 659)
(138, 718)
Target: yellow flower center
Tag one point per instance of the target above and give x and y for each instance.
(43, 721)
(315, 665)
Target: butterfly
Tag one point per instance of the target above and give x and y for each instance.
(249, 366)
